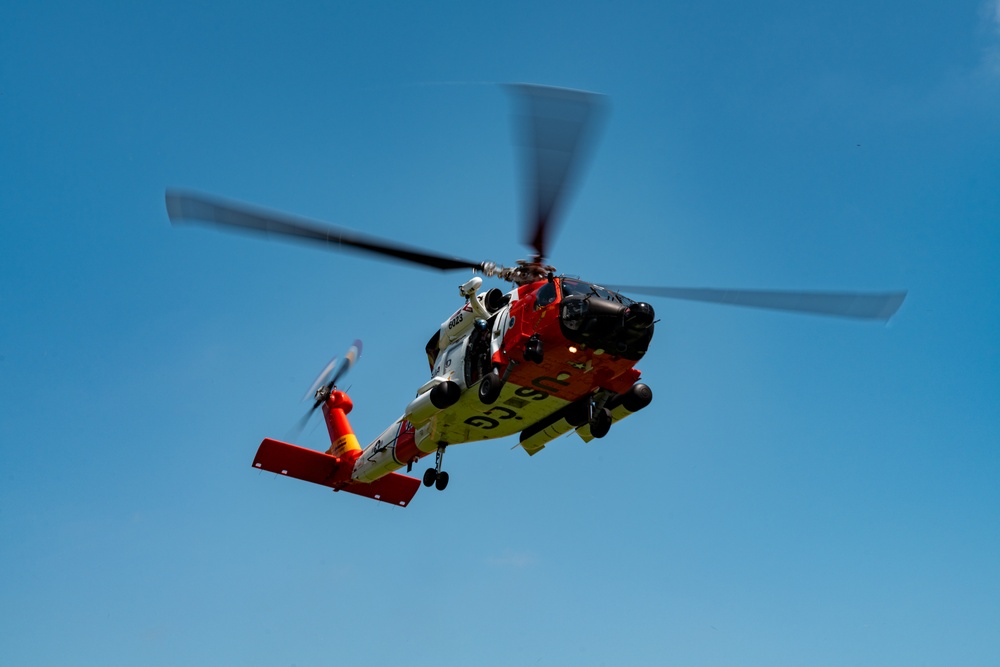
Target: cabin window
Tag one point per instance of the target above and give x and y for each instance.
(433, 349)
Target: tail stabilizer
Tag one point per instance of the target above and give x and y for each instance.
(394, 488)
(313, 466)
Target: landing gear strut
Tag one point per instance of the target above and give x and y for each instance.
(435, 476)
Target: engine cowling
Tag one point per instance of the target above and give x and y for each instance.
(442, 395)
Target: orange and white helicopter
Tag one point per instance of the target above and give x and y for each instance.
(552, 355)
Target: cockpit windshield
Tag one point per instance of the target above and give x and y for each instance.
(574, 287)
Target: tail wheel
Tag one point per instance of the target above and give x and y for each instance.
(601, 423)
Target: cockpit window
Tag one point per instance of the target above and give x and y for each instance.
(571, 287)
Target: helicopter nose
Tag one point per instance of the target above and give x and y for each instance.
(639, 316)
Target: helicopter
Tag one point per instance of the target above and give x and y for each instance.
(552, 355)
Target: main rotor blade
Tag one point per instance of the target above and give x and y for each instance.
(555, 127)
(858, 305)
(192, 207)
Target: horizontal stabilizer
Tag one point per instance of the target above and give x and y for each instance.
(298, 462)
(393, 488)
(320, 468)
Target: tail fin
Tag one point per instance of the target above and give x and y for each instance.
(343, 442)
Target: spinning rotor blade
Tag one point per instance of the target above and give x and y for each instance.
(192, 207)
(555, 127)
(320, 380)
(346, 364)
(858, 305)
(328, 379)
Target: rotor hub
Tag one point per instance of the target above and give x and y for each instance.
(525, 273)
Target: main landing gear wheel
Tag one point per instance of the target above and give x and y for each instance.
(489, 388)
(601, 423)
(435, 476)
(442, 481)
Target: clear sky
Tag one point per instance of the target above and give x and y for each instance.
(802, 491)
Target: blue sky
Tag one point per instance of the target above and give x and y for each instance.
(802, 490)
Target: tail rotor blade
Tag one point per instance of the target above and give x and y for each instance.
(300, 425)
(346, 364)
(327, 379)
(320, 380)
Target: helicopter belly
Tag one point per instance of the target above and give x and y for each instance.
(470, 421)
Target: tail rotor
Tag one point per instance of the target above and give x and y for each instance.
(327, 381)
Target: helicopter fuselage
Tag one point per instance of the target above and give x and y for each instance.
(562, 350)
